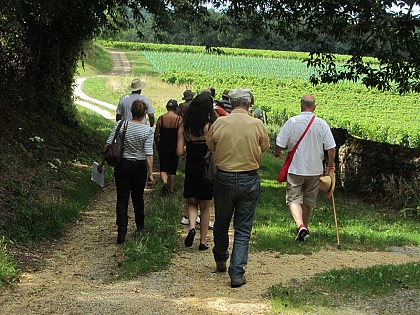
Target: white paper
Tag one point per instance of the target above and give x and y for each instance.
(97, 177)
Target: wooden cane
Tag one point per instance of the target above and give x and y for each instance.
(335, 219)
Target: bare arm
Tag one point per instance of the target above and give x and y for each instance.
(102, 160)
(157, 131)
(180, 145)
(151, 119)
(277, 151)
(149, 162)
(331, 159)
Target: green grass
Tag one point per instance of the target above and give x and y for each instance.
(326, 291)
(38, 215)
(361, 226)
(152, 248)
(9, 272)
(140, 65)
(97, 61)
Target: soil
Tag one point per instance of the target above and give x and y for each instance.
(78, 275)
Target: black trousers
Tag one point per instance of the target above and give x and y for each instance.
(130, 178)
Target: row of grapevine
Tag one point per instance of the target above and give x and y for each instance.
(295, 55)
(211, 65)
(278, 85)
(365, 113)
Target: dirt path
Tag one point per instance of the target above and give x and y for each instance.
(79, 272)
(77, 275)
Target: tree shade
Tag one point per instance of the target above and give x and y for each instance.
(41, 41)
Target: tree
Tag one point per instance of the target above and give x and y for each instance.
(386, 30)
(41, 41)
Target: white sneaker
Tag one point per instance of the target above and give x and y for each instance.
(198, 220)
(185, 220)
(210, 225)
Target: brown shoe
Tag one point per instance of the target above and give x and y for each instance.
(238, 282)
(221, 266)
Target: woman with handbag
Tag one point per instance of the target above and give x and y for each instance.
(192, 141)
(134, 169)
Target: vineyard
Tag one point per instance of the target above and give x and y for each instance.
(279, 82)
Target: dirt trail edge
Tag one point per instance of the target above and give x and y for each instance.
(78, 275)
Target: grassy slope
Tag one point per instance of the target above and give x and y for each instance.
(44, 183)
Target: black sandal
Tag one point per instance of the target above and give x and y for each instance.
(203, 247)
(190, 238)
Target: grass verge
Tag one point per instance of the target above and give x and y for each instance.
(361, 226)
(8, 269)
(327, 290)
(152, 248)
(97, 61)
(48, 181)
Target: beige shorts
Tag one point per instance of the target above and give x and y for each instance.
(302, 189)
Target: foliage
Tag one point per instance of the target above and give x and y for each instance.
(8, 269)
(97, 57)
(370, 28)
(278, 83)
(54, 190)
(41, 41)
(328, 289)
(295, 55)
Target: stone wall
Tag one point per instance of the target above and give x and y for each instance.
(380, 169)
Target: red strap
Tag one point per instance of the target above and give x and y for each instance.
(304, 133)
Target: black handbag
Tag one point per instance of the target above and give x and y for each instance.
(114, 151)
(209, 168)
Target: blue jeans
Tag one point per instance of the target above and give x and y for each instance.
(234, 195)
(130, 178)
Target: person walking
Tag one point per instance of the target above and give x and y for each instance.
(224, 102)
(166, 134)
(134, 169)
(307, 165)
(238, 141)
(188, 95)
(124, 105)
(192, 142)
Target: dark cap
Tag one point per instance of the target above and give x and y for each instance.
(172, 104)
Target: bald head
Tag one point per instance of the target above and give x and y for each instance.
(307, 103)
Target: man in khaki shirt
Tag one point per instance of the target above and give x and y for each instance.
(238, 141)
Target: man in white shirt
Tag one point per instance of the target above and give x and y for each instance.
(124, 106)
(307, 165)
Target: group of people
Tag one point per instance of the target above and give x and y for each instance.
(238, 141)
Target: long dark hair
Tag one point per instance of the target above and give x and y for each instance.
(197, 115)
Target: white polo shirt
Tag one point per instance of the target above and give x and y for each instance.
(124, 106)
(308, 158)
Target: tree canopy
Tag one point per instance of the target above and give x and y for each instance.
(41, 41)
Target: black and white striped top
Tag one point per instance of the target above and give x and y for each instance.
(138, 140)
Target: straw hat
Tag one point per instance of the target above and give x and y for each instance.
(136, 85)
(327, 184)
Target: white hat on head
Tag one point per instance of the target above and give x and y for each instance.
(136, 85)
(240, 93)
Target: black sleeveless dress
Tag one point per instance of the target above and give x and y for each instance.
(194, 187)
(168, 159)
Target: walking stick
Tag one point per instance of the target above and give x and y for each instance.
(336, 225)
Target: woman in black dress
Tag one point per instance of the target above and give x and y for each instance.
(166, 134)
(192, 141)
